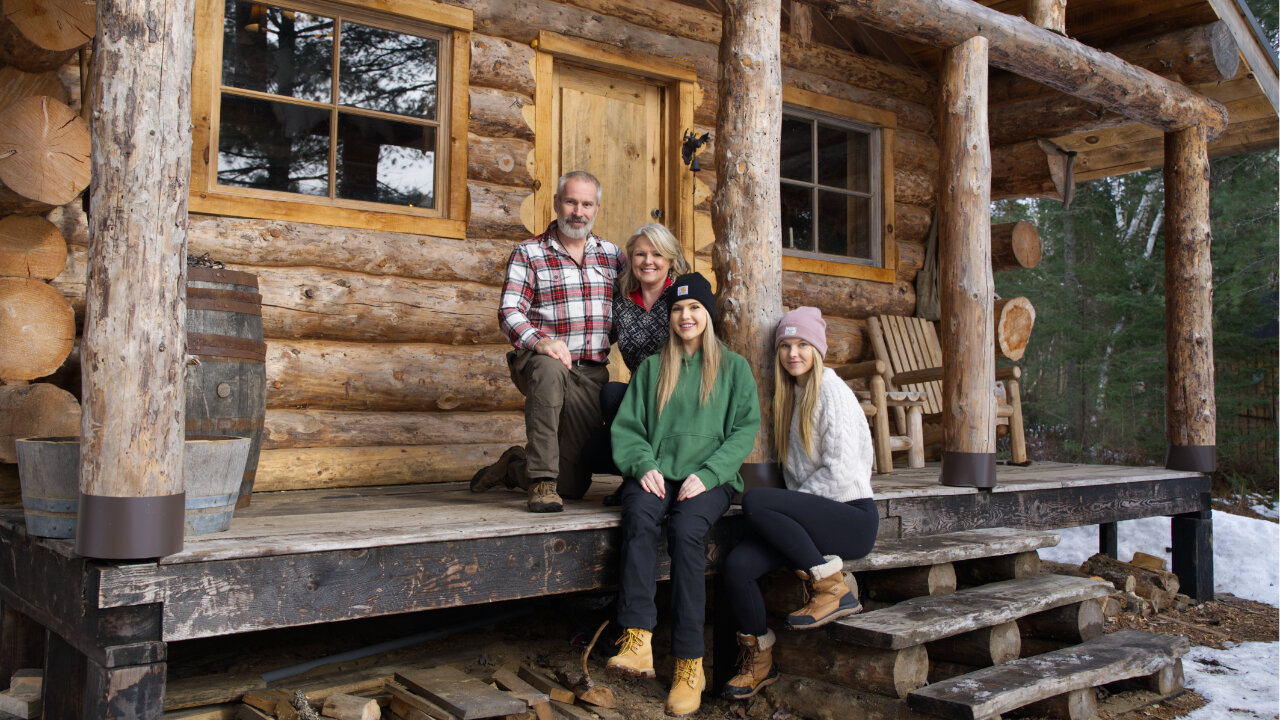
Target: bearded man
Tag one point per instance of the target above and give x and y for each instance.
(557, 311)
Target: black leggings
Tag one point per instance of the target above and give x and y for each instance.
(786, 528)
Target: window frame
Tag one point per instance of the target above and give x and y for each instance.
(450, 24)
(882, 125)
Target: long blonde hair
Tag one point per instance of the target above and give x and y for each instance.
(672, 357)
(666, 245)
(784, 402)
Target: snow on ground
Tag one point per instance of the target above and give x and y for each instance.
(1246, 551)
(1240, 681)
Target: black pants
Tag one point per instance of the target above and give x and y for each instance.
(597, 454)
(687, 524)
(791, 529)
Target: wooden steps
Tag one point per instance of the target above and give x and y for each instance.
(950, 547)
(922, 619)
(990, 691)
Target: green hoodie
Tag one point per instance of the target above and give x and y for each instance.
(710, 441)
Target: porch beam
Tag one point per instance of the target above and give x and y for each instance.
(133, 354)
(745, 210)
(1191, 410)
(1048, 14)
(966, 285)
(1044, 56)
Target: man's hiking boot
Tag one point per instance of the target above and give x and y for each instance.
(635, 658)
(686, 687)
(543, 497)
(755, 666)
(829, 596)
(496, 474)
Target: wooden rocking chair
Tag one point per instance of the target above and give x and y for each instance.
(909, 348)
(876, 402)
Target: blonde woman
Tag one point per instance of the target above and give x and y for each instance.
(686, 424)
(823, 517)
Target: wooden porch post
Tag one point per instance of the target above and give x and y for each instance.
(746, 211)
(1188, 283)
(131, 491)
(966, 286)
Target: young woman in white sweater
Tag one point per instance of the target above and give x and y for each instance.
(823, 517)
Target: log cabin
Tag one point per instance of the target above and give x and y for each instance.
(373, 164)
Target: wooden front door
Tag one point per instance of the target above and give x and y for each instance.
(611, 125)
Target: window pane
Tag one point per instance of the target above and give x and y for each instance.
(797, 149)
(388, 71)
(273, 146)
(797, 218)
(277, 51)
(844, 225)
(844, 158)
(385, 161)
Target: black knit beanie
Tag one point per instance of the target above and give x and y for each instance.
(690, 285)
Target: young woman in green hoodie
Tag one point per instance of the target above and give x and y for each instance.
(687, 422)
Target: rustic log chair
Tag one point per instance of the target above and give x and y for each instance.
(875, 402)
(912, 355)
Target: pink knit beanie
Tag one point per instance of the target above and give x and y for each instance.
(805, 323)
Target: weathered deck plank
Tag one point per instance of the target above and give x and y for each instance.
(951, 547)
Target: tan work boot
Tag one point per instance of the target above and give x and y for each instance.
(755, 666)
(543, 497)
(636, 656)
(686, 687)
(496, 474)
(829, 597)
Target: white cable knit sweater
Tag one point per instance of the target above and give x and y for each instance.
(841, 466)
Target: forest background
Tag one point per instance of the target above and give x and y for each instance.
(1095, 367)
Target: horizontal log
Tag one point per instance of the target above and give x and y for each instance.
(846, 340)
(16, 84)
(286, 428)
(1048, 58)
(316, 302)
(31, 247)
(914, 187)
(894, 673)
(38, 35)
(981, 571)
(909, 115)
(500, 113)
(269, 242)
(501, 64)
(495, 211)
(1073, 623)
(44, 155)
(910, 582)
(915, 151)
(38, 327)
(910, 258)
(844, 297)
(372, 376)
(503, 161)
(1028, 169)
(312, 468)
(983, 647)
(1158, 586)
(36, 410)
(1014, 246)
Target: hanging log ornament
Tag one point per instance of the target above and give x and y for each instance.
(31, 247)
(38, 35)
(1014, 319)
(1035, 168)
(44, 155)
(1014, 246)
(38, 327)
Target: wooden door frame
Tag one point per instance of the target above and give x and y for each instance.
(677, 77)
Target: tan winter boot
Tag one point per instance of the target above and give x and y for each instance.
(829, 597)
(543, 497)
(635, 658)
(686, 687)
(755, 666)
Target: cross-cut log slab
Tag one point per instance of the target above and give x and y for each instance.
(1014, 246)
(951, 547)
(459, 693)
(929, 618)
(995, 690)
(38, 35)
(45, 149)
(38, 327)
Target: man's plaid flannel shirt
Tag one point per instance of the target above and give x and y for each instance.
(547, 294)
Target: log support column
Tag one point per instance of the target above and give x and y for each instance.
(966, 285)
(745, 211)
(131, 486)
(1188, 288)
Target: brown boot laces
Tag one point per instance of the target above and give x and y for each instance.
(747, 661)
(630, 641)
(686, 671)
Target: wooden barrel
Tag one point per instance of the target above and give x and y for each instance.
(227, 378)
(49, 473)
(212, 471)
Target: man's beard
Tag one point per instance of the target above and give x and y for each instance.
(572, 232)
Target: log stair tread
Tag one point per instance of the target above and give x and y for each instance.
(922, 619)
(1001, 688)
(950, 547)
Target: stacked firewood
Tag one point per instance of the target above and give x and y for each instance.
(1143, 586)
(44, 166)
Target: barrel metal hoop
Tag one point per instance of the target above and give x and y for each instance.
(226, 346)
(222, 275)
(198, 503)
(52, 505)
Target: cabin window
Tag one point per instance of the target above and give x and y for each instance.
(332, 113)
(836, 188)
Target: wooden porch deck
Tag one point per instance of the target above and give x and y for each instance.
(304, 557)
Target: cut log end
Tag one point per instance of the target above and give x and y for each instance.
(31, 247)
(1014, 317)
(44, 154)
(39, 328)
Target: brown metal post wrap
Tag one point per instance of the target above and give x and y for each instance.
(1188, 281)
(131, 484)
(745, 212)
(966, 285)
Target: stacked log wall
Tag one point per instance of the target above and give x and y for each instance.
(385, 363)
